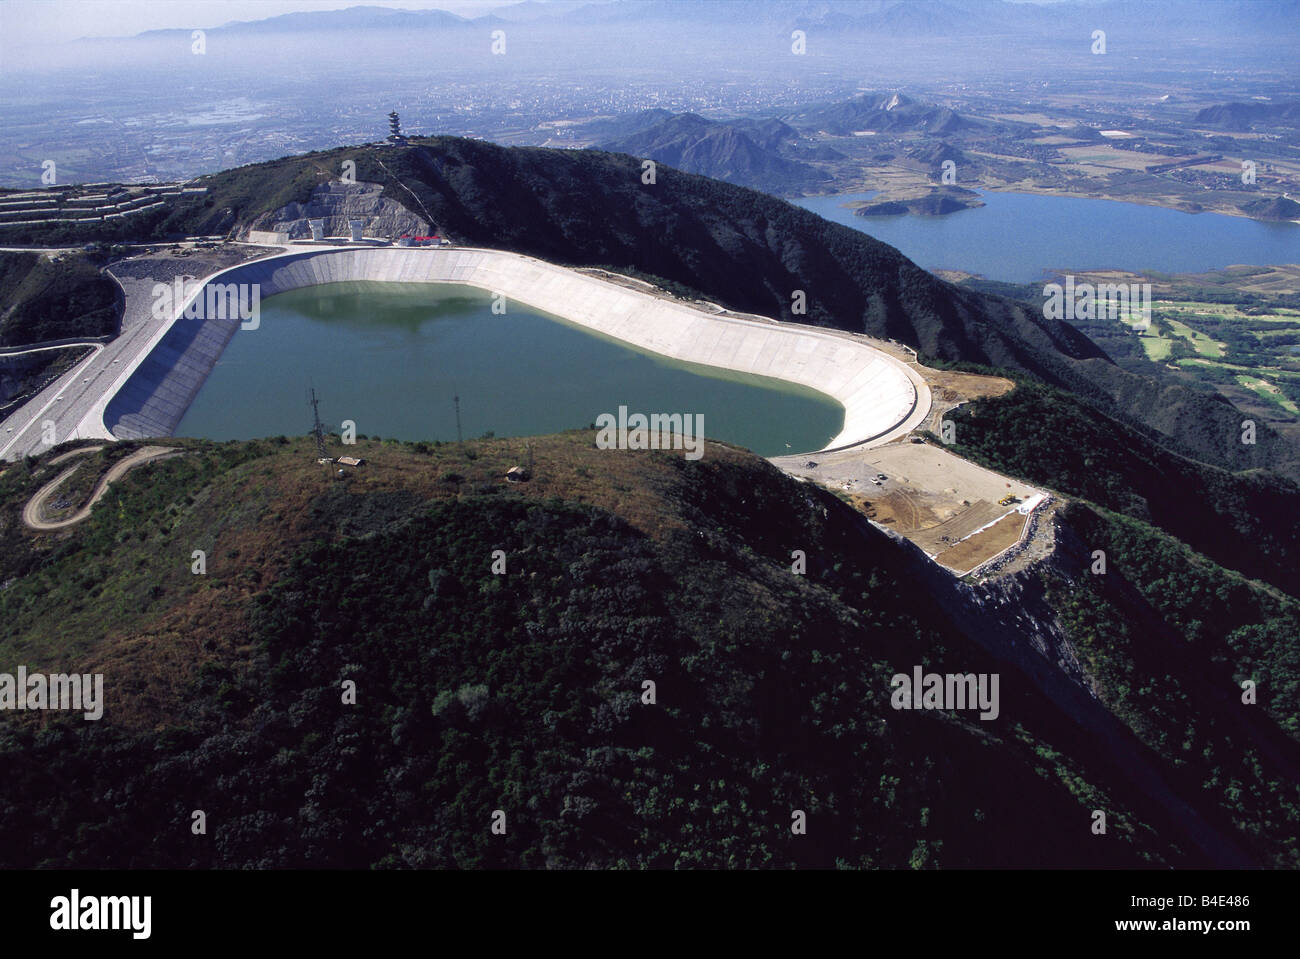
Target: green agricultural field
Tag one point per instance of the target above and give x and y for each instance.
(1200, 342)
(1157, 347)
(1192, 310)
(1158, 341)
(1231, 346)
(1268, 391)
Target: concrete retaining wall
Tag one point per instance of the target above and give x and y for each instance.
(268, 237)
(882, 397)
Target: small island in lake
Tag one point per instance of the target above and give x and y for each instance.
(937, 202)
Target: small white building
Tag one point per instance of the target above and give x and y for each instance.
(356, 227)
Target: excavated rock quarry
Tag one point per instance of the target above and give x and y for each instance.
(336, 203)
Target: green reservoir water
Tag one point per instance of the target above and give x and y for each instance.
(390, 356)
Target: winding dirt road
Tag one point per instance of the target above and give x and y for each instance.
(32, 511)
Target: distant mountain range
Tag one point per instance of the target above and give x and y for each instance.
(777, 155)
(1241, 117)
(891, 18)
(746, 152)
(953, 18)
(880, 112)
(349, 18)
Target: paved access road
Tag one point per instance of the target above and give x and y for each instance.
(67, 401)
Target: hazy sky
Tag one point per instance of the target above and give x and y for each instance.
(41, 22)
(27, 27)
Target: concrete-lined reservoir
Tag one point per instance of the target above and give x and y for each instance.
(390, 356)
(882, 397)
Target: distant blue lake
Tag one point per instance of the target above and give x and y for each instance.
(1016, 236)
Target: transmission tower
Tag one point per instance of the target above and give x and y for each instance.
(317, 430)
(460, 440)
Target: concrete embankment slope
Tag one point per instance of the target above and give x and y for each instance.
(882, 397)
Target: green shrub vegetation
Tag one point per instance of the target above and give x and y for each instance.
(1170, 664)
(45, 300)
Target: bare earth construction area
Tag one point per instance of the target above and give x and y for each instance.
(960, 514)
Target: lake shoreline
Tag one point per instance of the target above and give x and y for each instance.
(1156, 202)
(1019, 237)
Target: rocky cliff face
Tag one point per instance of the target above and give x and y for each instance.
(1012, 618)
(336, 203)
(1018, 603)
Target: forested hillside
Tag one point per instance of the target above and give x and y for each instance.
(524, 691)
(1201, 664)
(41, 299)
